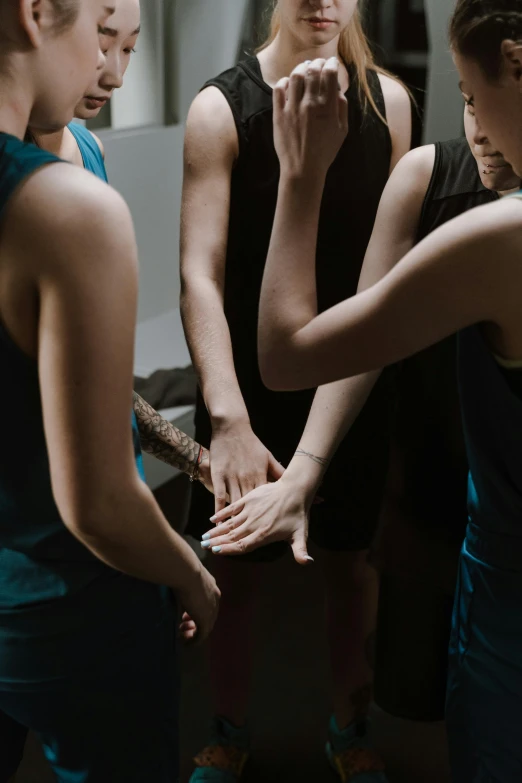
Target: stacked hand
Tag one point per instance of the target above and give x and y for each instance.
(273, 512)
(239, 463)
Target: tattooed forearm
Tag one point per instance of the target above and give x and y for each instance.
(320, 460)
(161, 439)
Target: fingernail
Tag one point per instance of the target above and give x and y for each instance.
(213, 519)
(216, 550)
(310, 559)
(307, 62)
(205, 544)
(205, 537)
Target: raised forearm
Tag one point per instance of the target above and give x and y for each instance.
(289, 294)
(208, 337)
(165, 441)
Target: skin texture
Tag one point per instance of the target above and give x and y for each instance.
(269, 513)
(239, 461)
(72, 307)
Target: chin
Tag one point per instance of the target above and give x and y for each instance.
(83, 113)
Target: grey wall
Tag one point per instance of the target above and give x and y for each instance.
(146, 166)
(444, 108)
(204, 39)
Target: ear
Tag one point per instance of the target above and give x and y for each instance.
(512, 57)
(36, 18)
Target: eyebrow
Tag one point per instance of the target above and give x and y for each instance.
(112, 33)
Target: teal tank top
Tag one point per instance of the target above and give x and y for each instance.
(93, 162)
(491, 400)
(59, 604)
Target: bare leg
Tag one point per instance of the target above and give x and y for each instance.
(232, 638)
(351, 610)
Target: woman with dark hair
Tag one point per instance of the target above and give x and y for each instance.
(88, 562)
(466, 277)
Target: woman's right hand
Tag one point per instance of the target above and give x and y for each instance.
(239, 462)
(310, 119)
(200, 604)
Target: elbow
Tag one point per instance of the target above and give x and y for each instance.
(96, 514)
(276, 369)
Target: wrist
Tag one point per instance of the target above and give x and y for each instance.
(303, 182)
(305, 474)
(227, 421)
(188, 571)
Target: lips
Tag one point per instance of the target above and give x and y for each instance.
(95, 103)
(319, 23)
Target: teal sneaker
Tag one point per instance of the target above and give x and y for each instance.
(351, 756)
(224, 758)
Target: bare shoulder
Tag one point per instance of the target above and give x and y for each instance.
(416, 167)
(61, 208)
(395, 93)
(399, 116)
(99, 143)
(210, 127)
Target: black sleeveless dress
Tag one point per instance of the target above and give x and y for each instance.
(426, 510)
(354, 483)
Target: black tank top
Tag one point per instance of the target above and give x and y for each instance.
(429, 425)
(353, 189)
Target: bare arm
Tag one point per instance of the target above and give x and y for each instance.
(86, 277)
(167, 443)
(337, 405)
(239, 461)
(444, 284)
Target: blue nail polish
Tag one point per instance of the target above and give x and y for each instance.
(216, 550)
(205, 544)
(205, 537)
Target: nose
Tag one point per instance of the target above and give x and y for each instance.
(479, 137)
(112, 74)
(101, 60)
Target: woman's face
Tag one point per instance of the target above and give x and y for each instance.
(316, 22)
(118, 39)
(497, 104)
(494, 170)
(65, 61)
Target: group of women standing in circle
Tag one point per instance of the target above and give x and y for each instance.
(308, 198)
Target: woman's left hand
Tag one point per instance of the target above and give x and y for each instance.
(310, 119)
(272, 512)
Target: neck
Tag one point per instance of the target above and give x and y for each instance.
(14, 109)
(51, 142)
(285, 53)
(503, 193)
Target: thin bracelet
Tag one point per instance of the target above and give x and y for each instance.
(194, 476)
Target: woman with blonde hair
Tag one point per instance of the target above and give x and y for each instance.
(230, 189)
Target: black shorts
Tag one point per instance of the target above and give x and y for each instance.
(352, 488)
(418, 567)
